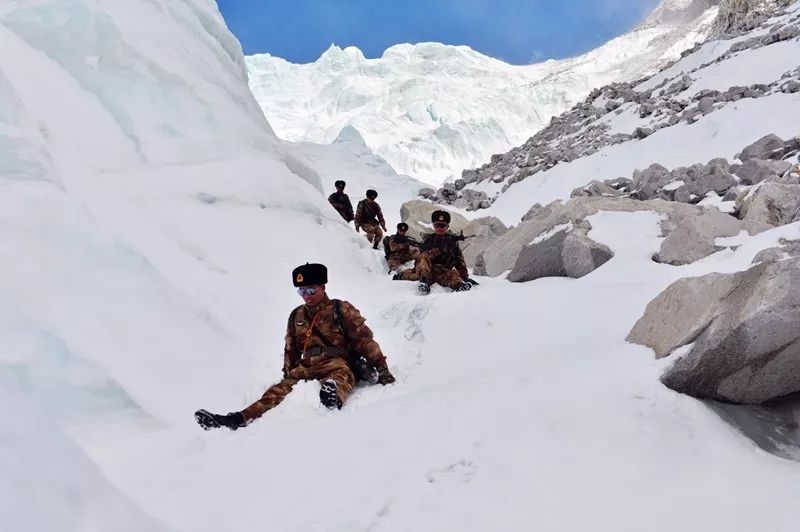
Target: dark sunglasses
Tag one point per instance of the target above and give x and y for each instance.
(439, 225)
(306, 291)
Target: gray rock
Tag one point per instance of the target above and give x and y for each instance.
(761, 148)
(642, 132)
(792, 87)
(769, 205)
(612, 105)
(706, 105)
(754, 171)
(417, 214)
(532, 212)
(693, 238)
(646, 109)
(427, 192)
(746, 343)
(596, 188)
(567, 252)
(620, 183)
(787, 249)
(460, 184)
(646, 182)
(483, 231)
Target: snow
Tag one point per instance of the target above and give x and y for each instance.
(720, 134)
(432, 110)
(146, 279)
(673, 185)
(547, 235)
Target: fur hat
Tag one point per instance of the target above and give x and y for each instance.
(440, 216)
(372, 194)
(339, 183)
(310, 274)
(402, 226)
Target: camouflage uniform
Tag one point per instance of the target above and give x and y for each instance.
(316, 349)
(440, 261)
(341, 202)
(401, 250)
(369, 217)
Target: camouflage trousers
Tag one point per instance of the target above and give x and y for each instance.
(395, 261)
(324, 368)
(373, 233)
(424, 269)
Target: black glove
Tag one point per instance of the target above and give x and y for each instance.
(472, 281)
(208, 421)
(385, 376)
(365, 372)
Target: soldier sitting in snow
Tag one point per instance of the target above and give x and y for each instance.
(400, 248)
(440, 259)
(326, 340)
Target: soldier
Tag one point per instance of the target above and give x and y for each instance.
(400, 248)
(341, 201)
(440, 260)
(323, 337)
(370, 217)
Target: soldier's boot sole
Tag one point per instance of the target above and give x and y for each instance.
(206, 420)
(328, 394)
(424, 288)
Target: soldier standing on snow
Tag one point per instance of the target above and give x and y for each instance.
(370, 218)
(401, 248)
(341, 201)
(326, 340)
(440, 259)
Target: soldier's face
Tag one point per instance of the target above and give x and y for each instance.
(339, 189)
(440, 228)
(315, 298)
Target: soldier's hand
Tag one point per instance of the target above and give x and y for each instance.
(385, 376)
(208, 421)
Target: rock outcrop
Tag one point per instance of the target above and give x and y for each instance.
(743, 330)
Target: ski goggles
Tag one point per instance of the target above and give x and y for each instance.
(307, 291)
(439, 225)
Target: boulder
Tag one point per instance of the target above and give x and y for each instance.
(706, 105)
(755, 170)
(769, 205)
(501, 255)
(743, 330)
(596, 188)
(565, 251)
(787, 249)
(484, 231)
(646, 182)
(417, 214)
(427, 192)
(694, 237)
(761, 148)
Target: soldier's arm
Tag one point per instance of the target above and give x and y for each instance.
(395, 246)
(380, 215)
(359, 213)
(348, 206)
(360, 336)
(291, 356)
(461, 264)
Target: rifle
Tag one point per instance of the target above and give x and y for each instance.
(427, 244)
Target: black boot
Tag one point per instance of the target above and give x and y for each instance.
(365, 372)
(424, 288)
(463, 287)
(328, 394)
(208, 421)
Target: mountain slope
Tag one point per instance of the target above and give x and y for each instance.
(432, 110)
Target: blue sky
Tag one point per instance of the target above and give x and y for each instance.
(516, 31)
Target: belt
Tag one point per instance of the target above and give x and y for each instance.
(318, 350)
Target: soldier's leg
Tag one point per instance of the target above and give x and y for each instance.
(369, 232)
(394, 263)
(421, 269)
(449, 278)
(271, 398)
(337, 370)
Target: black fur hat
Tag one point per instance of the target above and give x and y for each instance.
(310, 274)
(372, 194)
(339, 183)
(440, 216)
(402, 226)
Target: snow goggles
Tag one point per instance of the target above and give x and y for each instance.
(306, 291)
(440, 224)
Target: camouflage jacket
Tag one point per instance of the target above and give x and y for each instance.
(305, 345)
(444, 252)
(368, 213)
(402, 247)
(341, 202)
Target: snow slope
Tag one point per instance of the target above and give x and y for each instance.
(143, 279)
(432, 110)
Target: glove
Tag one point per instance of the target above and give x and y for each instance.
(472, 281)
(208, 421)
(385, 376)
